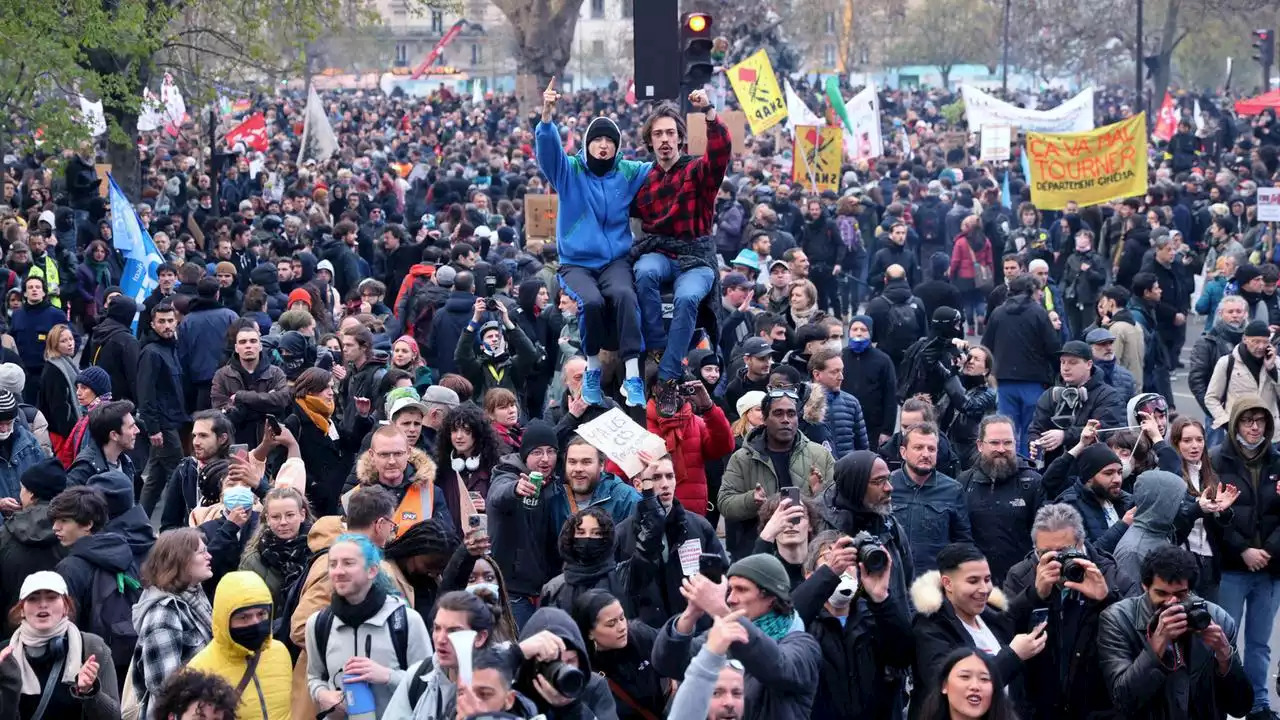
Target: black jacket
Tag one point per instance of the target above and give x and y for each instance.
(842, 509)
(1076, 690)
(446, 329)
(524, 538)
(328, 461)
(595, 702)
(161, 398)
(631, 670)
(1204, 357)
(1142, 685)
(114, 349)
(1001, 514)
(937, 293)
(27, 545)
(182, 496)
(1023, 342)
(891, 340)
(1062, 482)
(865, 659)
(57, 400)
(346, 267)
(820, 240)
(1102, 403)
(870, 377)
(1255, 519)
(104, 552)
(654, 580)
(892, 255)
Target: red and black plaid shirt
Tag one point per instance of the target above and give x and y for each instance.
(681, 202)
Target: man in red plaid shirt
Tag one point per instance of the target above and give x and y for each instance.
(675, 207)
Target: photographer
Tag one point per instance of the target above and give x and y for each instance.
(860, 500)
(1169, 654)
(495, 366)
(930, 362)
(1075, 582)
(560, 663)
(1062, 411)
(864, 632)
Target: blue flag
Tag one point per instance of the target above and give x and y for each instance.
(134, 243)
(1006, 199)
(1026, 166)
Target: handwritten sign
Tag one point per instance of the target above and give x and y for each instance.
(620, 439)
(1268, 204)
(540, 213)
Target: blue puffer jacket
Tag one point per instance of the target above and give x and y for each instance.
(593, 225)
(612, 494)
(848, 429)
(23, 453)
(202, 337)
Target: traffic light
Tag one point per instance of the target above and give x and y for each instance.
(1264, 51)
(695, 43)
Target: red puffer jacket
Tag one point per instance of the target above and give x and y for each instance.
(693, 440)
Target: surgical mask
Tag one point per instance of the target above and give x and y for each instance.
(859, 345)
(253, 636)
(1239, 438)
(490, 587)
(834, 346)
(6, 434)
(1126, 466)
(843, 595)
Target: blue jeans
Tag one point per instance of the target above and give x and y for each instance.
(1253, 597)
(691, 286)
(522, 608)
(1017, 401)
(1213, 436)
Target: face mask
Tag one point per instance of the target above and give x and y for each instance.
(490, 587)
(1126, 465)
(6, 434)
(1240, 439)
(834, 346)
(590, 550)
(843, 595)
(860, 345)
(779, 347)
(251, 637)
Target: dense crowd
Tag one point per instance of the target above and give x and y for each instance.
(920, 456)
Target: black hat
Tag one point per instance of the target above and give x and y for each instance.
(756, 347)
(1257, 328)
(603, 127)
(1245, 273)
(1076, 348)
(1093, 459)
(8, 406)
(538, 434)
(45, 479)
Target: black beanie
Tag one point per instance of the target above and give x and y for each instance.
(1257, 328)
(537, 434)
(45, 479)
(1093, 459)
(603, 127)
(123, 310)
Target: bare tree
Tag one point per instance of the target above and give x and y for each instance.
(543, 32)
(944, 35)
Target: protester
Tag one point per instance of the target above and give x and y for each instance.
(28, 543)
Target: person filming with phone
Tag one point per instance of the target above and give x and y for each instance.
(497, 353)
(1248, 370)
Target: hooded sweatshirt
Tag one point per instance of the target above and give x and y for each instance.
(114, 349)
(127, 518)
(843, 509)
(266, 697)
(595, 700)
(1157, 496)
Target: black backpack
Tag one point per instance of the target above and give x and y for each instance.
(280, 631)
(930, 225)
(113, 596)
(398, 625)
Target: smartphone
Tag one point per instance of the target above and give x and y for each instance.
(239, 449)
(479, 522)
(1038, 616)
(274, 424)
(792, 494)
(711, 566)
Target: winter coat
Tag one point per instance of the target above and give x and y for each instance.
(267, 695)
(201, 336)
(447, 326)
(104, 704)
(1063, 484)
(752, 465)
(1212, 346)
(1119, 377)
(27, 545)
(346, 266)
(19, 452)
(161, 404)
(886, 257)
(848, 429)
(104, 552)
(1023, 342)
(114, 349)
(693, 441)
(963, 259)
(1225, 392)
(593, 225)
(891, 340)
(655, 572)
(511, 370)
(523, 537)
(58, 401)
(1158, 495)
(1103, 403)
(870, 377)
(1144, 687)
(1084, 287)
(932, 514)
(595, 702)
(729, 227)
(172, 629)
(372, 639)
(419, 476)
(1001, 513)
(328, 461)
(29, 326)
(262, 392)
(820, 239)
(1255, 521)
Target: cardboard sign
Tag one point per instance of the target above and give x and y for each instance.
(1268, 204)
(816, 157)
(957, 139)
(104, 187)
(540, 213)
(995, 142)
(696, 126)
(620, 439)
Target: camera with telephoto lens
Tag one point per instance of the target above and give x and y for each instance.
(568, 680)
(871, 552)
(1072, 569)
(490, 287)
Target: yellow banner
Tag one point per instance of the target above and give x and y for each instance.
(757, 89)
(1088, 167)
(815, 157)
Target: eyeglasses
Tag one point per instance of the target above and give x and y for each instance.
(1253, 419)
(395, 527)
(391, 455)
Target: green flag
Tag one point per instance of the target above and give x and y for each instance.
(837, 102)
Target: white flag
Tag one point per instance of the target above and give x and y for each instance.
(863, 141)
(798, 113)
(92, 117)
(1199, 120)
(316, 131)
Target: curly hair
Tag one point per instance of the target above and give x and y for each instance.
(565, 542)
(188, 687)
(472, 418)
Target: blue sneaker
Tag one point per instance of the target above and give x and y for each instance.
(633, 389)
(591, 387)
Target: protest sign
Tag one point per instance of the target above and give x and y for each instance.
(957, 140)
(1074, 115)
(540, 215)
(1088, 167)
(621, 439)
(995, 142)
(695, 125)
(104, 186)
(1268, 204)
(757, 89)
(816, 157)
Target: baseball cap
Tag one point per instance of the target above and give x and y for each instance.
(440, 395)
(445, 276)
(406, 403)
(778, 262)
(1099, 335)
(735, 280)
(1075, 348)
(756, 347)
(43, 580)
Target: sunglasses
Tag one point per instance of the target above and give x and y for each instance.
(782, 392)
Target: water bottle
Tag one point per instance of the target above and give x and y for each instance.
(359, 697)
(533, 500)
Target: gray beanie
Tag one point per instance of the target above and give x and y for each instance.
(765, 571)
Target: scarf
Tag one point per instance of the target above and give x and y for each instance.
(289, 557)
(508, 435)
(774, 625)
(802, 317)
(69, 371)
(353, 616)
(319, 410)
(28, 637)
(101, 272)
(672, 430)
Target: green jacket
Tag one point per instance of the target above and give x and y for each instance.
(751, 466)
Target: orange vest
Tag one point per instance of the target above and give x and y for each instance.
(416, 507)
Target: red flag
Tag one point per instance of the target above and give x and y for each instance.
(1167, 120)
(631, 92)
(252, 132)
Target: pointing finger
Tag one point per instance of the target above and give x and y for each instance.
(552, 84)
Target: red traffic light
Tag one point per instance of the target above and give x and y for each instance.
(698, 22)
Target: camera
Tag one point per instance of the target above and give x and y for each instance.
(1072, 570)
(490, 305)
(568, 680)
(871, 552)
(1196, 609)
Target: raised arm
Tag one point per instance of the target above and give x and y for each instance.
(552, 160)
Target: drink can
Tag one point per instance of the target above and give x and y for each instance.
(536, 479)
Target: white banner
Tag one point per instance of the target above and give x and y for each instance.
(864, 142)
(1074, 115)
(995, 142)
(167, 111)
(798, 112)
(1268, 204)
(92, 117)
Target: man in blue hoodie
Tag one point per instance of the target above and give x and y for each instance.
(593, 237)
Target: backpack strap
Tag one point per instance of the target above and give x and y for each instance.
(1226, 383)
(324, 625)
(399, 628)
(417, 685)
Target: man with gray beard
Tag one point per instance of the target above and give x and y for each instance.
(1003, 494)
(860, 499)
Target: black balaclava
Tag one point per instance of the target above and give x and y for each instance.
(602, 127)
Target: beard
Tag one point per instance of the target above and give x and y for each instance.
(998, 467)
(917, 469)
(1102, 491)
(884, 508)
